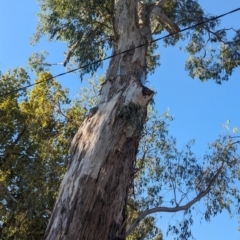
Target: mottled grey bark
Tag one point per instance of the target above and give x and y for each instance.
(92, 197)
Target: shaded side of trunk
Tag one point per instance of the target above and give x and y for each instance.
(93, 195)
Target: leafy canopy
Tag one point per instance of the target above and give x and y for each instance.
(88, 27)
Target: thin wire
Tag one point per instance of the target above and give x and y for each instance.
(117, 54)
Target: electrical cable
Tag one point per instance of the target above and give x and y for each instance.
(117, 54)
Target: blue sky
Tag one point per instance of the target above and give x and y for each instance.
(199, 108)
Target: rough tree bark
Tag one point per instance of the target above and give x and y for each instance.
(92, 199)
(93, 195)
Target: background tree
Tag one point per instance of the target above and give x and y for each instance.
(35, 137)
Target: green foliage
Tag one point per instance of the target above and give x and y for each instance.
(90, 25)
(152, 58)
(85, 23)
(36, 62)
(212, 53)
(35, 136)
(168, 177)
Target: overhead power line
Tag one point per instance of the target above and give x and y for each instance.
(117, 54)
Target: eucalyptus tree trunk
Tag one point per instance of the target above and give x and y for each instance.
(92, 199)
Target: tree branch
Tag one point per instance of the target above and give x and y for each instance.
(20, 135)
(70, 53)
(177, 208)
(164, 20)
(11, 196)
(73, 48)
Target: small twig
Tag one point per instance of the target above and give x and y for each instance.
(11, 196)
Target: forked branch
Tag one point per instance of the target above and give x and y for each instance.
(177, 208)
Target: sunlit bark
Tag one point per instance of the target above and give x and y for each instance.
(93, 195)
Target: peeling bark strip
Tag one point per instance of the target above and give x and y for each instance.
(92, 199)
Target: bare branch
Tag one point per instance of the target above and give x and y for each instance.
(156, 28)
(70, 53)
(164, 20)
(20, 135)
(234, 136)
(142, 160)
(177, 208)
(73, 48)
(61, 112)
